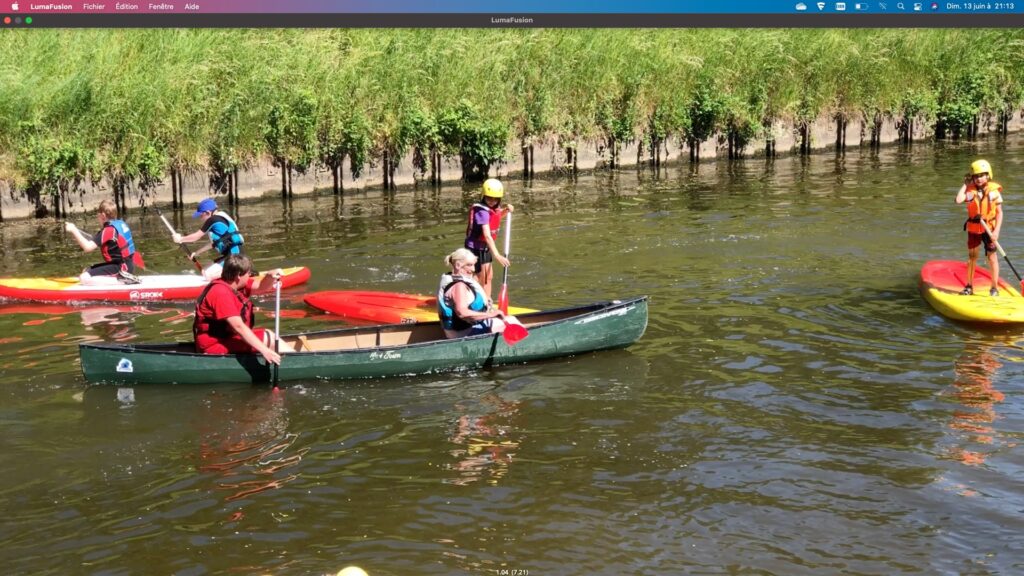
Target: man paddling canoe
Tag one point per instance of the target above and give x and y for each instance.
(984, 209)
(224, 314)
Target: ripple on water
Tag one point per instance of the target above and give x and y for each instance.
(794, 407)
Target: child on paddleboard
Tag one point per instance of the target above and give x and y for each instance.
(482, 231)
(984, 215)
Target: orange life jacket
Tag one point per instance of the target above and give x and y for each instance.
(981, 206)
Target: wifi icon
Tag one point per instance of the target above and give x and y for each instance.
(821, 6)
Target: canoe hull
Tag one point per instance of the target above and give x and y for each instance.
(942, 280)
(152, 288)
(381, 307)
(601, 326)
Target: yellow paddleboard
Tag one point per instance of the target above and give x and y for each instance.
(942, 281)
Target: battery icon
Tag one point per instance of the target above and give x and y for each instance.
(860, 6)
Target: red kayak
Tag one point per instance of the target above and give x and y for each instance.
(381, 307)
(108, 289)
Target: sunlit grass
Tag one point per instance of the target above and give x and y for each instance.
(130, 105)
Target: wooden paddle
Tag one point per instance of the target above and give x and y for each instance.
(182, 246)
(1005, 257)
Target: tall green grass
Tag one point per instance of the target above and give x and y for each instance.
(133, 106)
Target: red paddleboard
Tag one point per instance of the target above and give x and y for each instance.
(381, 307)
(951, 275)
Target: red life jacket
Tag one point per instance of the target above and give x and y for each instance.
(203, 324)
(117, 246)
(113, 245)
(476, 233)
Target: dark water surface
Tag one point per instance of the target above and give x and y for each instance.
(794, 408)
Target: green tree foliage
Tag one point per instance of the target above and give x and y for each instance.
(477, 140)
(131, 105)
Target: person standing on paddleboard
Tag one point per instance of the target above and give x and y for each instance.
(115, 243)
(225, 237)
(482, 231)
(984, 200)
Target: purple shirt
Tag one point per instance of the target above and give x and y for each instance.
(474, 241)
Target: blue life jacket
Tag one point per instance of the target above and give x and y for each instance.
(231, 241)
(446, 312)
(125, 232)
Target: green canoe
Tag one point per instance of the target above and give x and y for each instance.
(373, 351)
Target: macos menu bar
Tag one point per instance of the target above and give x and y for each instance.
(509, 13)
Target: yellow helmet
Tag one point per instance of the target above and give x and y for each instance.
(981, 167)
(493, 188)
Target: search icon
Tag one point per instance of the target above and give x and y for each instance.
(900, 5)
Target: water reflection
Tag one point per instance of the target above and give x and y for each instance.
(42, 339)
(485, 436)
(786, 389)
(35, 314)
(247, 445)
(974, 372)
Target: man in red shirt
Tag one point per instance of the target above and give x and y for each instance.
(224, 315)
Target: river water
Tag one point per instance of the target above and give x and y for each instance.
(795, 407)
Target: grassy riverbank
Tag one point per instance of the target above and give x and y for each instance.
(134, 107)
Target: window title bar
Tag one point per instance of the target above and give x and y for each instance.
(22, 7)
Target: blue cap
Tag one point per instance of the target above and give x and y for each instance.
(207, 205)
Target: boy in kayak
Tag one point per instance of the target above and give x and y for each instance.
(224, 314)
(482, 231)
(224, 234)
(115, 242)
(984, 210)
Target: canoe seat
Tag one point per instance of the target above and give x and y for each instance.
(368, 340)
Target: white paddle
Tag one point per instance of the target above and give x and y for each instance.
(277, 325)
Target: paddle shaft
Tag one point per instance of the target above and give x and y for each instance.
(514, 332)
(1002, 252)
(508, 241)
(277, 326)
(182, 246)
(503, 296)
